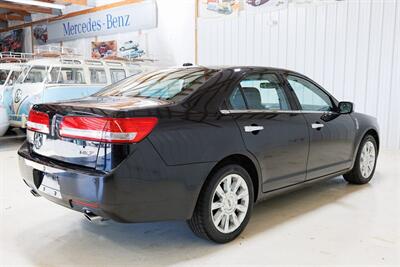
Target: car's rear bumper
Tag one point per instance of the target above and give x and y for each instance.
(129, 193)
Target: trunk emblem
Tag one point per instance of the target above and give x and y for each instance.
(38, 140)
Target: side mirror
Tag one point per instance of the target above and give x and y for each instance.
(345, 107)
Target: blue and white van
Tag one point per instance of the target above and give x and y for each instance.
(59, 79)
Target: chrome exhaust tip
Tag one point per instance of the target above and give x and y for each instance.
(91, 217)
(34, 193)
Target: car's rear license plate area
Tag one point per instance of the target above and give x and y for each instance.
(50, 186)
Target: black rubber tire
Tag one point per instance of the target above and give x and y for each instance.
(201, 222)
(355, 176)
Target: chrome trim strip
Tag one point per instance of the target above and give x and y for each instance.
(251, 111)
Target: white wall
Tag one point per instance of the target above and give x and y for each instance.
(350, 47)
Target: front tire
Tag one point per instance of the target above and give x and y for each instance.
(365, 164)
(224, 205)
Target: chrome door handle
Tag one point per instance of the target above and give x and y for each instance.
(250, 129)
(317, 125)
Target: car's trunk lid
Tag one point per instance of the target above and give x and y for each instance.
(74, 150)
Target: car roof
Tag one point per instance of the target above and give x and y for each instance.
(244, 68)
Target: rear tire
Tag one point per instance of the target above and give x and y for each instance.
(365, 164)
(224, 206)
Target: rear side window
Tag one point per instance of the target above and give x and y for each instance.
(98, 76)
(117, 75)
(260, 92)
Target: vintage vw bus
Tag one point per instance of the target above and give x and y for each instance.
(9, 73)
(59, 79)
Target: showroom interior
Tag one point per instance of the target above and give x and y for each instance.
(57, 56)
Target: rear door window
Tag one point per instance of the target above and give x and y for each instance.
(259, 92)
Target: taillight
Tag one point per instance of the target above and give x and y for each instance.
(110, 130)
(38, 122)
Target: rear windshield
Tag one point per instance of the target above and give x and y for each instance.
(170, 84)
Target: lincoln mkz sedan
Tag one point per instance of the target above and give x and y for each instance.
(194, 143)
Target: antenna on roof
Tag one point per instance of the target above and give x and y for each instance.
(187, 64)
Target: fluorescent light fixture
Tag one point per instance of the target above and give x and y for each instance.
(37, 3)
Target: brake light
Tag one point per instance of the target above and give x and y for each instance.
(38, 122)
(110, 130)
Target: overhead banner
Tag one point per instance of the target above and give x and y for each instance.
(127, 18)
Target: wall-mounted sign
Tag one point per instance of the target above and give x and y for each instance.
(128, 18)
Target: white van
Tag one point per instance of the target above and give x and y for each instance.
(59, 79)
(9, 73)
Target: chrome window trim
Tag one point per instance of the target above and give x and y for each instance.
(252, 111)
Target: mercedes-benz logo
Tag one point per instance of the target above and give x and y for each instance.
(18, 95)
(38, 140)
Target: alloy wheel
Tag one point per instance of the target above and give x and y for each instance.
(367, 159)
(230, 203)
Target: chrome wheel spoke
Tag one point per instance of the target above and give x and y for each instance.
(237, 185)
(228, 184)
(218, 217)
(241, 208)
(220, 192)
(226, 224)
(216, 205)
(243, 194)
(235, 220)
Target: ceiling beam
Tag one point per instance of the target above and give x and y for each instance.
(76, 2)
(6, 17)
(26, 8)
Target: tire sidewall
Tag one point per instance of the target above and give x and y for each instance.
(212, 231)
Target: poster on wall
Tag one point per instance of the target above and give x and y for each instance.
(212, 8)
(266, 5)
(131, 50)
(104, 49)
(40, 35)
(12, 41)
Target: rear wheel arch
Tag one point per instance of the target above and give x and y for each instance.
(244, 161)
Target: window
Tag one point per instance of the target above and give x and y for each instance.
(37, 74)
(236, 100)
(261, 92)
(171, 84)
(98, 76)
(311, 98)
(117, 75)
(54, 73)
(3, 76)
(67, 75)
(13, 77)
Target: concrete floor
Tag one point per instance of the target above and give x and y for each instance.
(331, 223)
